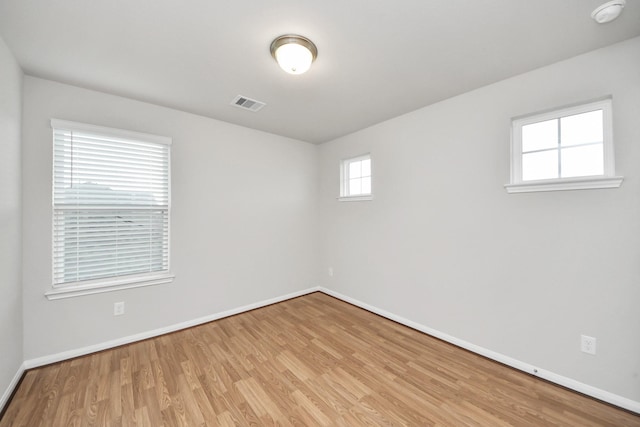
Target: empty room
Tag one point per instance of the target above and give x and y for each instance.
(361, 212)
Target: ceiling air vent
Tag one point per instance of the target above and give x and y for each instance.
(247, 103)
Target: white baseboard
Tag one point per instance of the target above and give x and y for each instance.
(45, 360)
(12, 386)
(572, 384)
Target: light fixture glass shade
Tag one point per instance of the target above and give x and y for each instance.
(608, 11)
(294, 58)
(293, 53)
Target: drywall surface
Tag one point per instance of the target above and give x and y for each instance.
(243, 220)
(10, 218)
(524, 275)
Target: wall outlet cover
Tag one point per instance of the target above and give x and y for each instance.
(587, 344)
(118, 308)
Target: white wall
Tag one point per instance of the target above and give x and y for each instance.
(10, 220)
(243, 220)
(443, 244)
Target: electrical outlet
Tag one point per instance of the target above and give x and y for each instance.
(587, 344)
(330, 271)
(118, 308)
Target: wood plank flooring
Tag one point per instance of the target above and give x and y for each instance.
(312, 361)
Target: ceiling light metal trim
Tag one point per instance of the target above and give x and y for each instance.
(296, 40)
(609, 11)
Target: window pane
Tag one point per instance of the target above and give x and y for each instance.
(366, 185)
(92, 171)
(541, 165)
(587, 160)
(366, 167)
(538, 136)
(355, 169)
(581, 128)
(355, 187)
(101, 243)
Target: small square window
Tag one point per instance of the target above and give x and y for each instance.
(355, 178)
(566, 149)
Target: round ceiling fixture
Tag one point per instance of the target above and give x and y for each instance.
(294, 53)
(608, 11)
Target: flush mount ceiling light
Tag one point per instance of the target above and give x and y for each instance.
(608, 11)
(294, 53)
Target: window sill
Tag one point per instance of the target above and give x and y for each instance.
(72, 291)
(355, 198)
(565, 184)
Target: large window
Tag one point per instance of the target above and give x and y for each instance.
(110, 207)
(355, 178)
(569, 148)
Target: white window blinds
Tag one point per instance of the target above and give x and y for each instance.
(110, 203)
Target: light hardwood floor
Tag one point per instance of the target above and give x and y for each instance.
(310, 361)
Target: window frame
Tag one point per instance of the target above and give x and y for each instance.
(114, 283)
(344, 179)
(607, 180)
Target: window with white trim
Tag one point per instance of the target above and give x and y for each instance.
(355, 178)
(565, 149)
(111, 198)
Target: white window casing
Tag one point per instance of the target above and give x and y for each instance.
(569, 148)
(111, 205)
(356, 176)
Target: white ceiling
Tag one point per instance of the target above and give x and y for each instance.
(377, 58)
